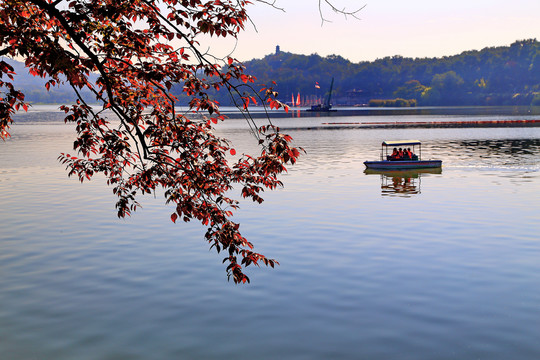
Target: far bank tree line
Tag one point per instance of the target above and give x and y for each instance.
(508, 75)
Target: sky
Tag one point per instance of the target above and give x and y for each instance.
(410, 28)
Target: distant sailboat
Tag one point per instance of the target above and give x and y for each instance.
(298, 102)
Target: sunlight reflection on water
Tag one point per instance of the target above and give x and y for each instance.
(450, 272)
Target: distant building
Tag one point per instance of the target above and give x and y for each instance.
(277, 50)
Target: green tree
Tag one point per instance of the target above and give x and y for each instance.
(412, 89)
(446, 88)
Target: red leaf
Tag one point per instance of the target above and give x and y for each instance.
(174, 216)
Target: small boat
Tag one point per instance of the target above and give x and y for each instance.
(391, 162)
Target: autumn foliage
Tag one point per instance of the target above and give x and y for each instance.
(137, 138)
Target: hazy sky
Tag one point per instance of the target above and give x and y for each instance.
(413, 28)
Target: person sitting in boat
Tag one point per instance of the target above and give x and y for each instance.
(407, 155)
(412, 155)
(394, 155)
(400, 154)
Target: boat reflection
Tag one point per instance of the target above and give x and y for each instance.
(403, 183)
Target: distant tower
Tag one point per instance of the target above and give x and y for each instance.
(277, 50)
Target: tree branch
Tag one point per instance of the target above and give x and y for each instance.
(53, 11)
(343, 11)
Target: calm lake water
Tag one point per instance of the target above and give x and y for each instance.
(420, 266)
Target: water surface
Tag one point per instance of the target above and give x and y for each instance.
(449, 271)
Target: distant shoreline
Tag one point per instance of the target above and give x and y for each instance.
(526, 112)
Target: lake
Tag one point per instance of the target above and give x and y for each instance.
(414, 266)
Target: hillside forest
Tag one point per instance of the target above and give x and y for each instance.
(507, 75)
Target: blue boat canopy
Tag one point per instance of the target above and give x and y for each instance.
(401, 142)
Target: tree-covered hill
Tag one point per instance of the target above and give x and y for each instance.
(35, 91)
(507, 75)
